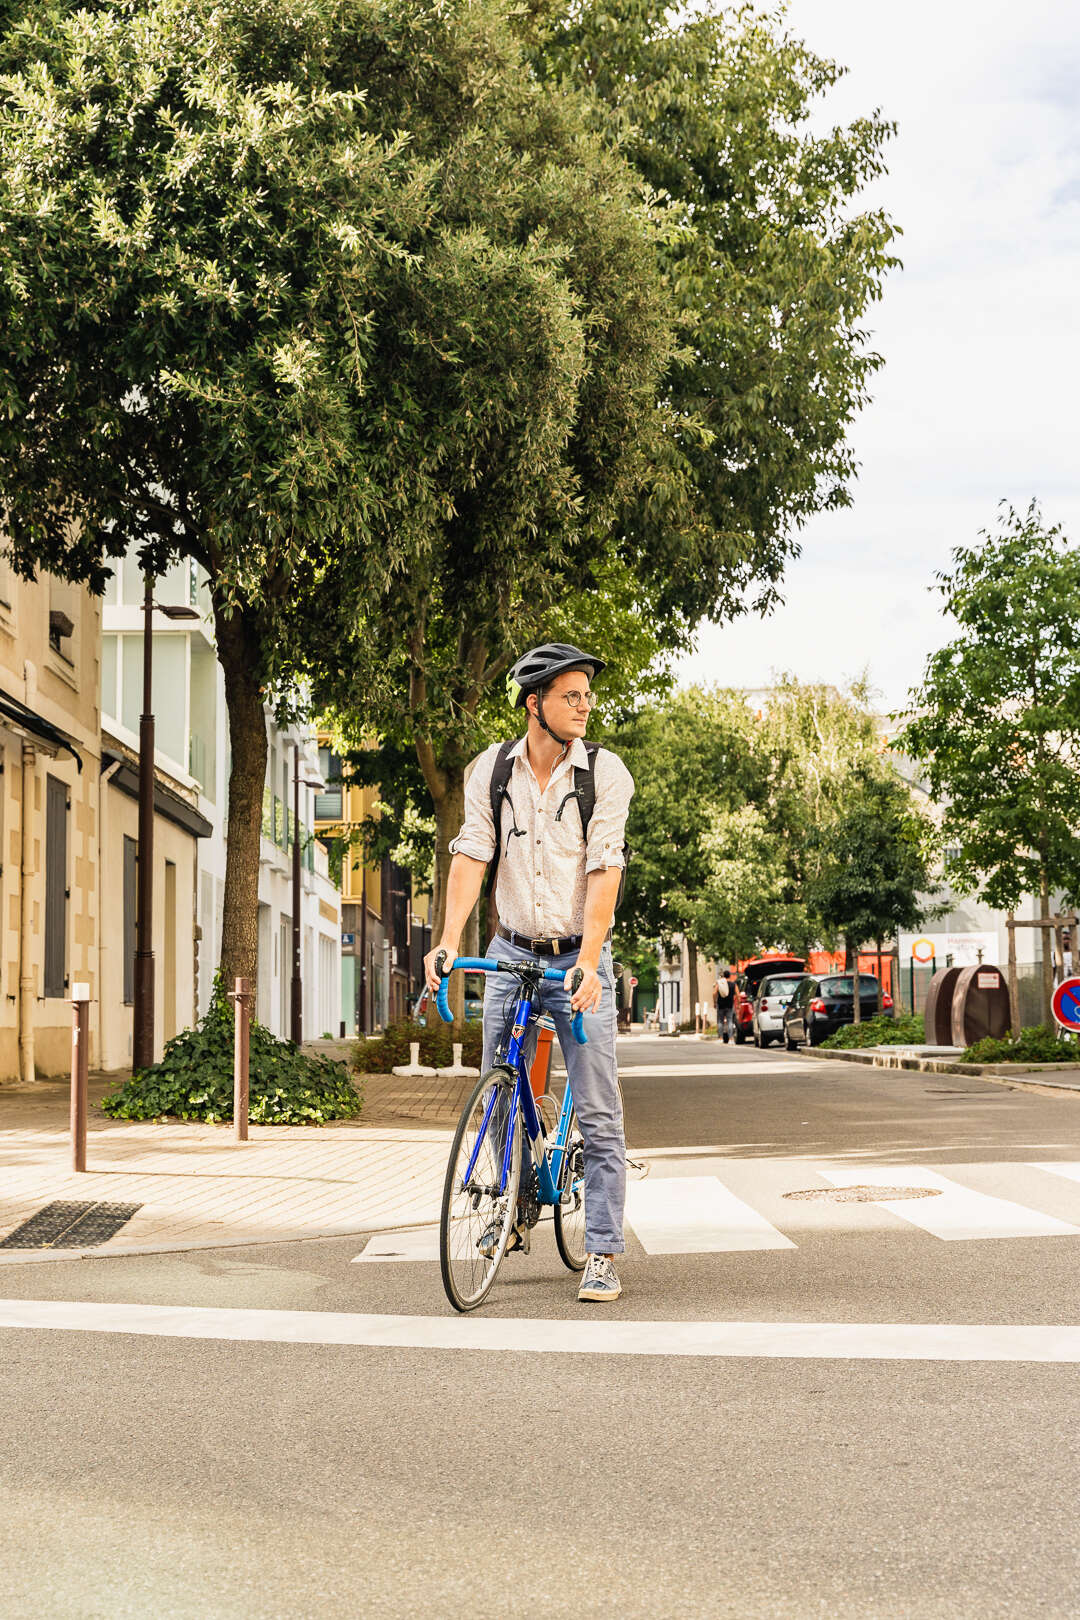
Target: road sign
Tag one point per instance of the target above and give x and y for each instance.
(1065, 1005)
(348, 939)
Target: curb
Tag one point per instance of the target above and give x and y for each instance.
(29, 1257)
(1013, 1074)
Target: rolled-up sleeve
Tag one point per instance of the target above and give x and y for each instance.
(477, 836)
(607, 829)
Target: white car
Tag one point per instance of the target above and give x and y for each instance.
(773, 995)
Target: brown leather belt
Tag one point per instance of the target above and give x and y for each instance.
(541, 947)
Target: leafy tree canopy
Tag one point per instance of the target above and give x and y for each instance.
(996, 720)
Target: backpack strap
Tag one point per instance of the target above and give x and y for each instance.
(501, 772)
(583, 790)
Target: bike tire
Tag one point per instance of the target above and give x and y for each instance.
(466, 1218)
(570, 1217)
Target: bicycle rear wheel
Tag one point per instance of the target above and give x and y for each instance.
(570, 1215)
(476, 1218)
(570, 1210)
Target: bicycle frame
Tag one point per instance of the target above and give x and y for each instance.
(548, 1158)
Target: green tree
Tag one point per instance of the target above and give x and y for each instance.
(873, 866)
(693, 773)
(769, 269)
(740, 907)
(772, 267)
(995, 723)
(309, 292)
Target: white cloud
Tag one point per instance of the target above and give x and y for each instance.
(980, 331)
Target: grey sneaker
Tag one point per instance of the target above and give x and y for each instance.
(600, 1281)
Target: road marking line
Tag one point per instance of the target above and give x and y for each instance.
(421, 1243)
(959, 1214)
(1071, 1172)
(696, 1215)
(846, 1341)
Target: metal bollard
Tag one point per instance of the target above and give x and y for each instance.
(80, 1071)
(241, 1000)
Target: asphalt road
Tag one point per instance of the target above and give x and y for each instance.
(154, 1475)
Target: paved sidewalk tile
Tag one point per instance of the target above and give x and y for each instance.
(197, 1187)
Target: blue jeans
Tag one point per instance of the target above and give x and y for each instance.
(593, 1074)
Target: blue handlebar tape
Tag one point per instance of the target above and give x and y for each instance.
(486, 964)
(442, 1001)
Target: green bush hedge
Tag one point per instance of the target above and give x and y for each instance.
(391, 1048)
(899, 1031)
(1041, 1044)
(194, 1079)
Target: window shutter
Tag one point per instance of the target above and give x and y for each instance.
(130, 852)
(56, 895)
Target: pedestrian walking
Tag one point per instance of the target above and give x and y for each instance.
(724, 997)
(548, 813)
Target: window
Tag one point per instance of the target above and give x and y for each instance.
(56, 889)
(131, 850)
(64, 610)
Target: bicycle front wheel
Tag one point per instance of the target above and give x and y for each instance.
(477, 1214)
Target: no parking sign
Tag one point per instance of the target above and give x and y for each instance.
(1065, 1005)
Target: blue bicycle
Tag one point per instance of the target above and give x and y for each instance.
(508, 1161)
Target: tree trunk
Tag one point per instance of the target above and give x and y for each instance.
(1047, 932)
(449, 815)
(238, 652)
(692, 966)
(880, 986)
(856, 998)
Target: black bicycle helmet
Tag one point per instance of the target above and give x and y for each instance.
(535, 668)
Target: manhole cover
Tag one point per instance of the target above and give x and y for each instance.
(862, 1195)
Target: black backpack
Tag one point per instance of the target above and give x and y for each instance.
(583, 790)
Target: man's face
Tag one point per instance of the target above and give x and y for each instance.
(566, 703)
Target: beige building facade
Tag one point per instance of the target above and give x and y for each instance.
(50, 816)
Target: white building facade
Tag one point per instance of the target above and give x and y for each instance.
(192, 747)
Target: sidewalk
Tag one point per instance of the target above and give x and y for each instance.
(197, 1188)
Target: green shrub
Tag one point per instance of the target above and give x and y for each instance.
(194, 1079)
(391, 1048)
(904, 1030)
(1041, 1044)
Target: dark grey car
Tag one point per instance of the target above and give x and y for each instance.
(822, 1005)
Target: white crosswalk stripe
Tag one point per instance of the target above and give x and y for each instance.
(958, 1212)
(696, 1215)
(421, 1243)
(670, 1213)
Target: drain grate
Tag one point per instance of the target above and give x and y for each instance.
(862, 1195)
(70, 1226)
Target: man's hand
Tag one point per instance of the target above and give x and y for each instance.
(589, 992)
(448, 950)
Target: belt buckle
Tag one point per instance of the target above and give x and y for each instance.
(537, 946)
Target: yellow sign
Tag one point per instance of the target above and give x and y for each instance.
(923, 950)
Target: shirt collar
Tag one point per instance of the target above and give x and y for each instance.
(577, 757)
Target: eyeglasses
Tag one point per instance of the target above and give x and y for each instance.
(578, 700)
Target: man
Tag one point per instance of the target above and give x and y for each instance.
(555, 895)
(725, 1004)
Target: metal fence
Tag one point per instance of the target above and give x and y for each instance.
(913, 983)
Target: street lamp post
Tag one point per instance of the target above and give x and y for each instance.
(142, 1041)
(296, 1023)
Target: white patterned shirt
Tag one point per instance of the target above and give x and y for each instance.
(540, 889)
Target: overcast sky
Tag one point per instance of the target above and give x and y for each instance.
(980, 330)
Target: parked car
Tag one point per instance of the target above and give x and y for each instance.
(773, 995)
(820, 1006)
(474, 1000)
(748, 982)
